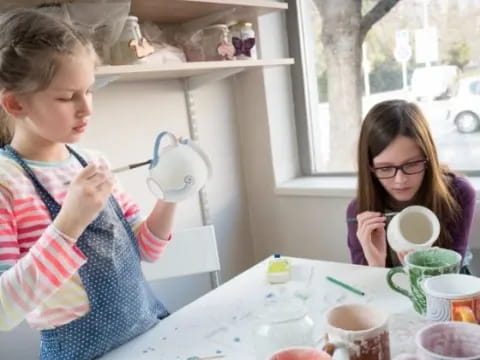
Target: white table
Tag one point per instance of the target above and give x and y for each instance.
(223, 321)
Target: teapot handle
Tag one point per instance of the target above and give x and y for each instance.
(202, 154)
(157, 145)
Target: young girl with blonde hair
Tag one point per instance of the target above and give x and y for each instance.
(71, 240)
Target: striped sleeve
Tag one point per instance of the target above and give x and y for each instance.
(151, 246)
(26, 281)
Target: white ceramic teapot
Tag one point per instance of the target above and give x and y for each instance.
(178, 170)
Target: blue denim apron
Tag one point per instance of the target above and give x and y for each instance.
(122, 304)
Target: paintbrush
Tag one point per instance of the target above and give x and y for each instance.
(131, 166)
(388, 214)
(124, 168)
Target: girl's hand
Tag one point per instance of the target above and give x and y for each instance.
(371, 234)
(401, 255)
(86, 197)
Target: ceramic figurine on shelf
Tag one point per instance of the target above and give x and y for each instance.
(142, 47)
(226, 50)
(131, 46)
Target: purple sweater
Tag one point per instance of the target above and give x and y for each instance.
(460, 230)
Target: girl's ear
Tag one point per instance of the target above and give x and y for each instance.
(12, 104)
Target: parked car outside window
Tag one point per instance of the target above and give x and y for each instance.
(464, 107)
(434, 82)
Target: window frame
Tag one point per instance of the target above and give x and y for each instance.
(305, 89)
(305, 92)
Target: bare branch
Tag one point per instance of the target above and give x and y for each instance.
(375, 14)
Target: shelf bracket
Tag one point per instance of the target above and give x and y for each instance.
(196, 81)
(193, 129)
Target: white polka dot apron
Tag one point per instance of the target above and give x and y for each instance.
(122, 304)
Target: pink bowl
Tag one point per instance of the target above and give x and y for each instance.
(300, 354)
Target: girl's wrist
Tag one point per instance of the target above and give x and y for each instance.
(376, 262)
(165, 204)
(67, 226)
(63, 235)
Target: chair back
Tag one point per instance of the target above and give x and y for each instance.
(191, 251)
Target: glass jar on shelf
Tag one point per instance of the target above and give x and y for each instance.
(216, 44)
(131, 46)
(242, 37)
(207, 44)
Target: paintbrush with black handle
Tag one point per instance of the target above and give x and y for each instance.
(388, 214)
(124, 168)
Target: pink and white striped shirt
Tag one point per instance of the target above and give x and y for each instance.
(39, 278)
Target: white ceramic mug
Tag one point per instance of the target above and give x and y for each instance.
(357, 332)
(413, 228)
(454, 297)
(446, 341)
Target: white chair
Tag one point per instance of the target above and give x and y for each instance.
(191, 251)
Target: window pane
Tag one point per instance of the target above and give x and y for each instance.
(426, 51)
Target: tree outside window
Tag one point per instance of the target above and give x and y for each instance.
(367, 51)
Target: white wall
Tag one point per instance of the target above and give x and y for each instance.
(128, 116)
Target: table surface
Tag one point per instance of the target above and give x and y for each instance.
(223, 321)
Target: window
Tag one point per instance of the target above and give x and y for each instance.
(426, 51)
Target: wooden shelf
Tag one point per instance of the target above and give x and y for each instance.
(179, 11)
(186, 12)
(182, 70)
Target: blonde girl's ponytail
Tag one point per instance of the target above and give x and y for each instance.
(6, 128)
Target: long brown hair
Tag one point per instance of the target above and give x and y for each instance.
(31, 45)
(383, 123)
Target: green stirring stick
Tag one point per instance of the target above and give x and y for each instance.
(345, 286)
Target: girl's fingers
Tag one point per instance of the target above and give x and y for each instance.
(377, 220)
(87, 172)
(97, 179)
(367, 214)
(401, 255)
(370, 228)
(364, 234)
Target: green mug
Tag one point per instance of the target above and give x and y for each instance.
(422, 264)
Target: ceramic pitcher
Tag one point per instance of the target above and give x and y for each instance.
(178, 170)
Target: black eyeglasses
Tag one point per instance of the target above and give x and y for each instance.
(409, 168)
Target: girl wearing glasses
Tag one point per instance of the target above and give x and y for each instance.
(398, 166)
